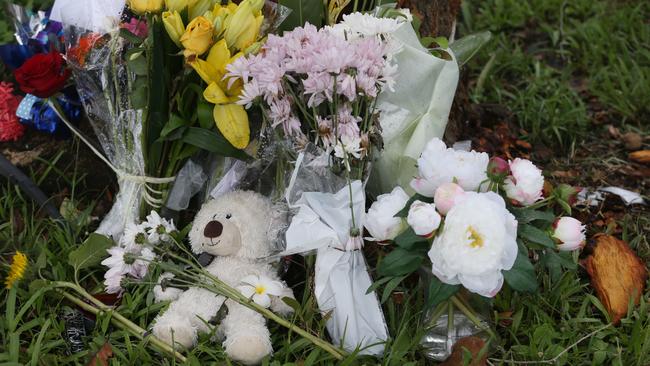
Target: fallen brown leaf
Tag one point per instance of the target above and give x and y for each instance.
(617, 274)
(632, 140)
(474, 345)
(641, 156)
(23, 158)
(102, 356)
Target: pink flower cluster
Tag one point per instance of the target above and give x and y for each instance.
(10, 128)
(311, 80)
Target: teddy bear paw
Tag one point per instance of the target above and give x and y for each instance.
(248, 349)
(175, 330)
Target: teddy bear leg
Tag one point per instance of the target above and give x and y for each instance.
(247, 339)
(187, 316)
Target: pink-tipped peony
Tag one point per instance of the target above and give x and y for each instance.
(423, 218)
(524, 185)
(446, 196)
(570, 233)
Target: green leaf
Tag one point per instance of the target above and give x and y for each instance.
(139, 94)
(206, 118)
(377, 283)
(295, 305)
(400, 262)
(91, 252)
(302, 11)
(468, 46)
(527, 215)
(439, 292)
(138, 65)
(173, 124)
(535, 235)
(130, 36)
(404, 212)
(213, 142)
(390, 286)
(521, 277)
(442, 42)
(409, 240)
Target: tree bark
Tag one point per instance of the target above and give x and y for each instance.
(438, 16)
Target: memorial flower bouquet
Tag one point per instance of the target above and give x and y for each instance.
(477, 223)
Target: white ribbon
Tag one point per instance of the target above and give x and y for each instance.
(151, 195)
(323, 223)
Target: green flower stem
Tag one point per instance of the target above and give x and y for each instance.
(471, 316)
(116, 317)
(221, 288)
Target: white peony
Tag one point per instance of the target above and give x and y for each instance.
(477, 242)
(260, 289)
(526, 182)
(570, 233)
(423, 218)
(381, 222)
(438, 165)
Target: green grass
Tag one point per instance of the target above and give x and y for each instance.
(550, 61)
(553, 57)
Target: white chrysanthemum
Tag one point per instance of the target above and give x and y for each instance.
(134, 237)
(158, 228)
(438, 165)
(526, 182)
(140, 265)
(570, 233)
(365, 25)
(477, 242)
(380, 221)
(260, 289)
(423, 218)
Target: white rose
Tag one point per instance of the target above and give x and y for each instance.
(381, 222)
(477, 242)
(423, 218)
(570, 233)
(446, 196)
(438, 165)
(526, 182)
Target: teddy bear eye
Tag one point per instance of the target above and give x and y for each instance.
(228, 216)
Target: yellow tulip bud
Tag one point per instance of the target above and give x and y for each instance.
(174, 26)
(145, 6)
(199, 7)
(178, 5)
(197, 37)
(243, 26)
(232, 122)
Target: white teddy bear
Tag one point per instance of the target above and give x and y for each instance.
(238, 229)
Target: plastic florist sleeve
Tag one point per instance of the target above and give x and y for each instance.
(95, 55)
(415, 112)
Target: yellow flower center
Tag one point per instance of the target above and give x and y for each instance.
(259, 289)
(475, 237)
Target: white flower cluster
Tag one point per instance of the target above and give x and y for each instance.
(479, 237)
(132, 256)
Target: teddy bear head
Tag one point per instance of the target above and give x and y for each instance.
(240, 223)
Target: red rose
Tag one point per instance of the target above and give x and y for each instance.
(42, 75)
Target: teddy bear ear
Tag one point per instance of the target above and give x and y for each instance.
(278, 225)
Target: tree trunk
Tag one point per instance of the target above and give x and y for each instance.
(438, 16)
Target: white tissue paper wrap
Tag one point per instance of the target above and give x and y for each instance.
(99, 16)
(415, 112)
(323, 224)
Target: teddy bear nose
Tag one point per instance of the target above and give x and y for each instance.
(213, 229)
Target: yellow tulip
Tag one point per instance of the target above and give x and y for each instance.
(145, 6)
(243, 26)
(174, 25)
(214, 67)
(232, 121)
(215, 95)
(197, 37)
(199, 7)
(178, 5)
